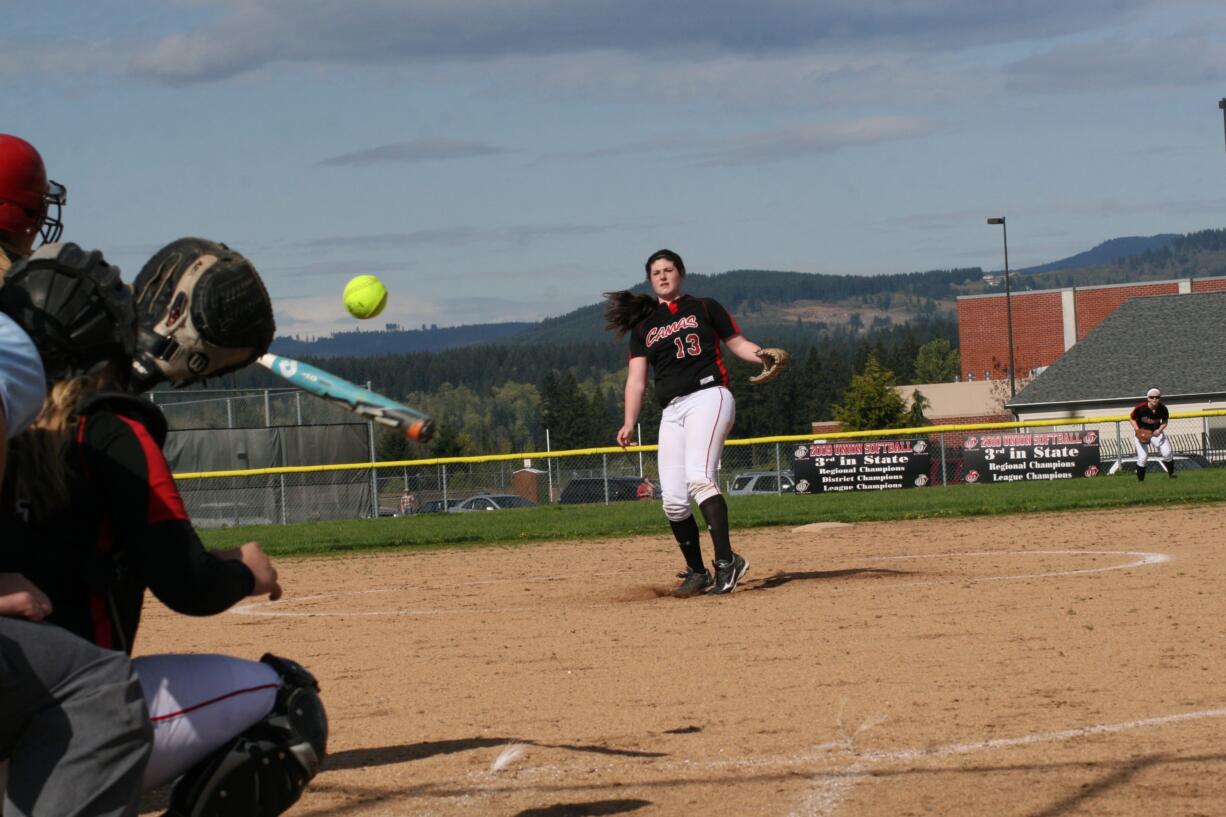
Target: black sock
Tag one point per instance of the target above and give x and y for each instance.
(1170, 466)
(1140, 472)
(686, 533)
(715, 511)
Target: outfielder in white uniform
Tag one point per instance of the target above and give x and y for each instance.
(1152, 416)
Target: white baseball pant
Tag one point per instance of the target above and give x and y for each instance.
(1160, 440)
(693, 429)
(197, 703)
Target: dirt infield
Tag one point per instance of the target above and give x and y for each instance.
(1030, 665)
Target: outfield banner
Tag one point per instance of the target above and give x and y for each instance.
(861, 465)
(1012, 457)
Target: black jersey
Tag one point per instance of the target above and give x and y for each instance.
(126, 531)
(681, 341)
(1150, 418)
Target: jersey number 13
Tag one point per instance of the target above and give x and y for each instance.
(691, 346)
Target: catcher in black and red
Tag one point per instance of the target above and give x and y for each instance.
(1149, 420)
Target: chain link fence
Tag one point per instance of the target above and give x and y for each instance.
(279, 496)
(245, 408)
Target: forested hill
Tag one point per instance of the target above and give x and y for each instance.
(1108, 252)
(1195, 255)
(761, 299)
(497, 397)
(487, 366)
(754, 296)
(433, 339)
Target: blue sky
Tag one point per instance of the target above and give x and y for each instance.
(512, 159)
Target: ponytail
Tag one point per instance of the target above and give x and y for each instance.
(624, 310)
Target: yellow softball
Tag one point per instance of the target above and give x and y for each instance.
(365, 296)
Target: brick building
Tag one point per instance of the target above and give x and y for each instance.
(1047, 323)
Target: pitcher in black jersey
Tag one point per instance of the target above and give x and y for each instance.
(678, 336)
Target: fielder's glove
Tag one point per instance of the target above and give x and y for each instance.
(1144, 435)
(774, 361)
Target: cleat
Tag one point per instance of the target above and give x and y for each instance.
(728, 573)
(693, 583)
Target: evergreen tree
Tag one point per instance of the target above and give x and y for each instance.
(816, 396)
(391, 445)
(567, 413)
(915, 415)
(871, 401)
(448, 442)
(937, 362)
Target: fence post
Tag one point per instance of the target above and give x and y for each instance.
(374, 474)
(605, 464)
(549, 467)
(944, 468)
(298, 405)
(267, 410)
(284, 516)
(1204, 437)
(778, 472)
(639, 426)
(229, 412)
(443, 466)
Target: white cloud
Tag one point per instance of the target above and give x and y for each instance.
(1054, 207)
(417, 150)
(822, 137)
(456, 237)
(246, 36)
(1180, 60)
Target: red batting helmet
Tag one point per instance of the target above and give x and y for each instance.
(26, 197)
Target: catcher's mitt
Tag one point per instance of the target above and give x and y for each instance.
(774, 361)
(1144, 435)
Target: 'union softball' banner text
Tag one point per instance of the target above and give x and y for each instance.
(1013, 457)
(861, 465)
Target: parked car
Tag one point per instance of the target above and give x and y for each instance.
(492, 502)
(1128, 465)
(436, 505)
(760, 482)
(592, 489)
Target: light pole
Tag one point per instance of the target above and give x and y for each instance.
(1222, 104)
(1004, 231)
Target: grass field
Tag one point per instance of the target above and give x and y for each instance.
(597, 521)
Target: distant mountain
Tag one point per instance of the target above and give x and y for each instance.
(763, 299)
(1195, 255)
(771, 301)
(759, 299)
(373, 343)
(1108, 252)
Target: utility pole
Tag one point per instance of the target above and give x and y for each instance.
(1222, 104)
(1004, 232)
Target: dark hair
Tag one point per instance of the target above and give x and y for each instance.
(625, 310)
(668, 255)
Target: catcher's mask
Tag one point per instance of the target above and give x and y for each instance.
(30, 203)
(75, 308)
(202, 311)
